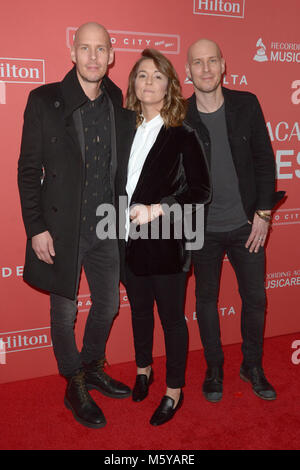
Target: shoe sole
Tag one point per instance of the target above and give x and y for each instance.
(80, 420)
(106, 394)
(212, 400)
(245, 379)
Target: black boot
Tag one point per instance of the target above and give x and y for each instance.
(78, 400)
(261, 387)
(213, 384)
(97, 379)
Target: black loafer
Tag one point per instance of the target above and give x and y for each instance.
(213, 384)
(261, 387)
(166, 410)
(141, 387)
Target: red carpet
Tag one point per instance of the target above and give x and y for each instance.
(33, 416)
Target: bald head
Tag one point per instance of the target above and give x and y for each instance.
(205, 67)
(203, 47)
(92, 53)
(91, 28)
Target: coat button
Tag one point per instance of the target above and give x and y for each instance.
(56, 104)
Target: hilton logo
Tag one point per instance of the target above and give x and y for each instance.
(232, 8)
(20, 71)
(16, 341)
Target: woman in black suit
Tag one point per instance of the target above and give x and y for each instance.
(166, 166)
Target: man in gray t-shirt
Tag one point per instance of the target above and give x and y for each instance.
(242, 168)
(226, 211)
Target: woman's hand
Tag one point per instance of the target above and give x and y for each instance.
(140, 214)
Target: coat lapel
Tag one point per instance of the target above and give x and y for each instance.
(153, 155)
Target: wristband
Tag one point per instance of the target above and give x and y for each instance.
(264, 215)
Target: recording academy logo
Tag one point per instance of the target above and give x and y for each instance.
(25, 340)
(260, 55)
(277, 51)
(232, 8)
(131, 41)
(278, 280)
(20, 71)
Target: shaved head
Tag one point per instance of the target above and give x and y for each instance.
(92, 53)
(205, 66)
(203, 45)
(91, 27)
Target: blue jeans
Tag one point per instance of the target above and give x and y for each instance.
(250, 272)
(100, 261)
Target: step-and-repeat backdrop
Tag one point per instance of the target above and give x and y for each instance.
(261, 44)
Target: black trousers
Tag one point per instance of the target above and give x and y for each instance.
(100, 261)
(169, 293)
(250, 272)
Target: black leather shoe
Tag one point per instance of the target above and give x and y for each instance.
(166, 410)
(261, 387)
(78, 400)
(97, 379)
(141, 386)
(213, 384)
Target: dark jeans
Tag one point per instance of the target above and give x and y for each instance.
(169, 293)
(250, 272)
(100, 260)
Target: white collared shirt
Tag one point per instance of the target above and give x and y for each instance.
(144, 139)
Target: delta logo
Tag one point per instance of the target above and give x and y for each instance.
(232, 8)
(132, 41)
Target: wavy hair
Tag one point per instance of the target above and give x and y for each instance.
(174, 108)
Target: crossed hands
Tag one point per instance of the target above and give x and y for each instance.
(140, 214)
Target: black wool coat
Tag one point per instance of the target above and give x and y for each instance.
(51, 174)
(251, 148)
(175, 171)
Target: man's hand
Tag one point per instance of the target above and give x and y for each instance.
(258, 234)
(140, 214)
(42, 245)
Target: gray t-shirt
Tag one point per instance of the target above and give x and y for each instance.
(226, 211)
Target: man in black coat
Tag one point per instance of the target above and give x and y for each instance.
(73, 132)
(242, 167)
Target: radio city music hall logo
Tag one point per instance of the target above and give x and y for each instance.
(20, 71)
(232, 8)
(131, 41)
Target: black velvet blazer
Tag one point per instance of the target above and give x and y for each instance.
(175, 171)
